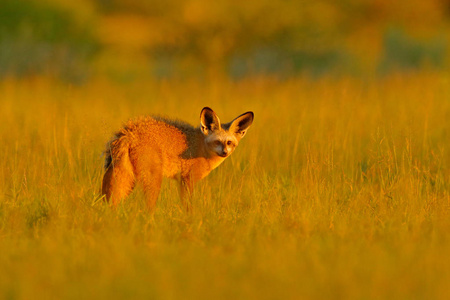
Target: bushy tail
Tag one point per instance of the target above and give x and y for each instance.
(118, 180)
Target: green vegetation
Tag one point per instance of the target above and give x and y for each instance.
(38, 39)
(339, 190)
(184, 39)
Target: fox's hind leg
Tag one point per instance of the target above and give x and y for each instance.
(152, 187)
(149, 173)
(118, 181)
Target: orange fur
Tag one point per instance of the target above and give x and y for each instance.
(147, 149)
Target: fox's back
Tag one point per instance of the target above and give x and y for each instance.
(170, 141)
(158, 133)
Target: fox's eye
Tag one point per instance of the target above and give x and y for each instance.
(229, 143)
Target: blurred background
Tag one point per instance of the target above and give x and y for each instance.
(127, 39)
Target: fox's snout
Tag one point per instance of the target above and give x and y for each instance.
(224, 153)
(221, 143)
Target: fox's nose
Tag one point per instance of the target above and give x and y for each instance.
(224, 152)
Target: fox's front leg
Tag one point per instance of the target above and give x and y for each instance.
(186, 189)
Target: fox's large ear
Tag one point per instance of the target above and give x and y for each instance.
(240, 125)
(209, 121)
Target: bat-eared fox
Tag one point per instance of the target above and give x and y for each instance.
(150, 148)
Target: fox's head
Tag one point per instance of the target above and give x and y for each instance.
(222, 139)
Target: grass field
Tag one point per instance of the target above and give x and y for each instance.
(340, 189)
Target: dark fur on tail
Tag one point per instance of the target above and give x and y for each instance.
(108, 158)
(107, 153)
(112, 146)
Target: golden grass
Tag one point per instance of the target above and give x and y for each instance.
(339, 190)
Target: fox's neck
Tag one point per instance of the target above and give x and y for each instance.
(196, 146)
